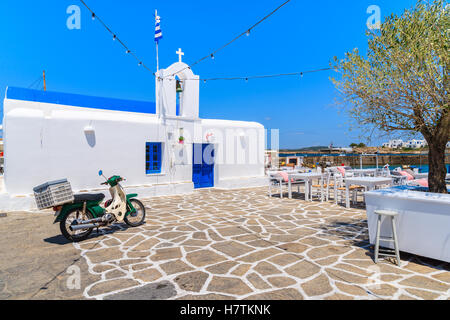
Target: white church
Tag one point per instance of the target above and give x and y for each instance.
(161, 148)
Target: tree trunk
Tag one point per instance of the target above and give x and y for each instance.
(438, 170)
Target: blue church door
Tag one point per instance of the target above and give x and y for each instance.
(203, 166)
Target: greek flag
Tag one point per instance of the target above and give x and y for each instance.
(158, 32)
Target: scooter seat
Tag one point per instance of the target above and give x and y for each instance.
(89, 197)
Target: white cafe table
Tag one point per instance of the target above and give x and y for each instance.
(422, 224)
(307, 177)
(369, 182)
(362, 172)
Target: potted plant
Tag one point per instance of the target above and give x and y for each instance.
(181, 140)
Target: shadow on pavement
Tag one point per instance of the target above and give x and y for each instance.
(61, 240)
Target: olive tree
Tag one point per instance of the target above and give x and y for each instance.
(402, 84)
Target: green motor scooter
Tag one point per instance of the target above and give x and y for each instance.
(79, 218)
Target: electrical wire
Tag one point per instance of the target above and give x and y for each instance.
(40, 84)
(116, 38)
(246, 32)
(35, 83)
(260, 76)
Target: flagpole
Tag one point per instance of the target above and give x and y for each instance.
(157, 58)
(157, 53)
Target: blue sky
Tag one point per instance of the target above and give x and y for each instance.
(301, 36)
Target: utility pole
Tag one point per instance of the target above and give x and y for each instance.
(45, 84)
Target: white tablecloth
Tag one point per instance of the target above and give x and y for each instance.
(369, 182)
(423, 223)
(307, 177)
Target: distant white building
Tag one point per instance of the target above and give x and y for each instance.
(412, 144)
(415, 144)
(394, 144)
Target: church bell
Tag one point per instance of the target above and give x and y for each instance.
(179, 88)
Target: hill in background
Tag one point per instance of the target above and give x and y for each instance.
(316, 148)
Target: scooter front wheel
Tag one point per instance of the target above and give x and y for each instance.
(136, 218)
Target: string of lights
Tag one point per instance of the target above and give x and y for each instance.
(246, 78)
(211, 55)
(116, 38)
(246, 32)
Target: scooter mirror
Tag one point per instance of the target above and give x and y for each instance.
(100, 173)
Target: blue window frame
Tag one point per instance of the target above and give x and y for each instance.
(153, 157)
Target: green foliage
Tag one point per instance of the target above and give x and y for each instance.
(358, 145)
(361, 145)
(403, 83)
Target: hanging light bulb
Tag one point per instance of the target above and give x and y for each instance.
(93, 16)
(301, 74)
(114, 38)
(204, 81)
(128, 51)
(212, 56)
(246, 80)
(248, 33)
(140, 64)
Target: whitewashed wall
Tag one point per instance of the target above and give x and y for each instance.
(46, 142)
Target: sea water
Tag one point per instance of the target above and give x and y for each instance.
(423, 168)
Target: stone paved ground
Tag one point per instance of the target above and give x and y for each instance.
(34, 259)
(215, 244)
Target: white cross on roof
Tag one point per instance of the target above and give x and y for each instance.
(180, 54)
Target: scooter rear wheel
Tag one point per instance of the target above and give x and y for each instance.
(66, 222)
(136, 219)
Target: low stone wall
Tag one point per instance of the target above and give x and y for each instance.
(370, 161)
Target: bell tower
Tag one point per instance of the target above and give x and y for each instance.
(177, 81)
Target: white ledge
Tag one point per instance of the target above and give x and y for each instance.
(411, 193)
